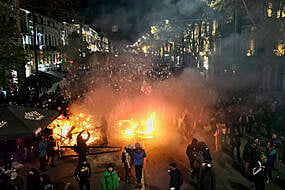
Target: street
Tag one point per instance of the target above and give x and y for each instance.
(227, 172)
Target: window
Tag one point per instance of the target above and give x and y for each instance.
(269, 10)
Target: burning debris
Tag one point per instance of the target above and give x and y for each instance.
(138, 129)
(66, 130)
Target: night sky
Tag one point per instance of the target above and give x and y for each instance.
(133, 17)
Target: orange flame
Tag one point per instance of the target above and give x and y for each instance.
(144, 129)
(66, 130)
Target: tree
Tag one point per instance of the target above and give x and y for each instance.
(12, 54)
(77, 50)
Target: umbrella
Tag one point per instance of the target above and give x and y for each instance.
(22, 122)
(44, 79)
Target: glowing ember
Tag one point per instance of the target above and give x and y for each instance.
(66, 130)
(144, 129)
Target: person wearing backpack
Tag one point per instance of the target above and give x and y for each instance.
(110, 179)
(176, 179)
(82, 174)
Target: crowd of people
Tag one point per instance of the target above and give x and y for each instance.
(235, 121)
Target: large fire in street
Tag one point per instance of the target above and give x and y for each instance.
(138, 129)
(66, 130)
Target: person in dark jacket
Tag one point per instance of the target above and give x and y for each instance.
(16, 182)
(192, 152)
(206, 177)
(260, 176)
(43, 153)
(138, 155)
(236, 142)
(128, 162)
(45, 183)
(247, 152)
(33, 180)
(82, 174)
(50, 150)
(82, 147)
(176, 178)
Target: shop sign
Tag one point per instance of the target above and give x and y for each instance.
(33, 115)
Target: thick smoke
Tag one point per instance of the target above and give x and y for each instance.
(116, 94)
(134, 17)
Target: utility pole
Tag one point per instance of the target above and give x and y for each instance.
(35, 37)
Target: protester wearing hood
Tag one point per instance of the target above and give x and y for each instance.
(110, 179)
(82, 174)
(203, 153)
(176, 179)
(15, 182)
(192, 152)
(33, 180)
(138, 155)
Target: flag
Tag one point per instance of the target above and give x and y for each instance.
(146, 88)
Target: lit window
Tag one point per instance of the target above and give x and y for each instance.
(269, 10)
(283, 12)
(251, 49)
(278, 14)
(280, 50)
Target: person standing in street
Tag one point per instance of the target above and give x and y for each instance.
(104, 129)
(50, 150)
(45, 183)
(191, 153)
(127, 161)
(110, 179)
(43, 153)
(260, 176)
(82, 147)
(176, 179)
(236, 142)
(138, 155)
(82, 174)
(207, 179)
(33, 180)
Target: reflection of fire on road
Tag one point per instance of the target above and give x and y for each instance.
(143, 129)
(65, 130)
